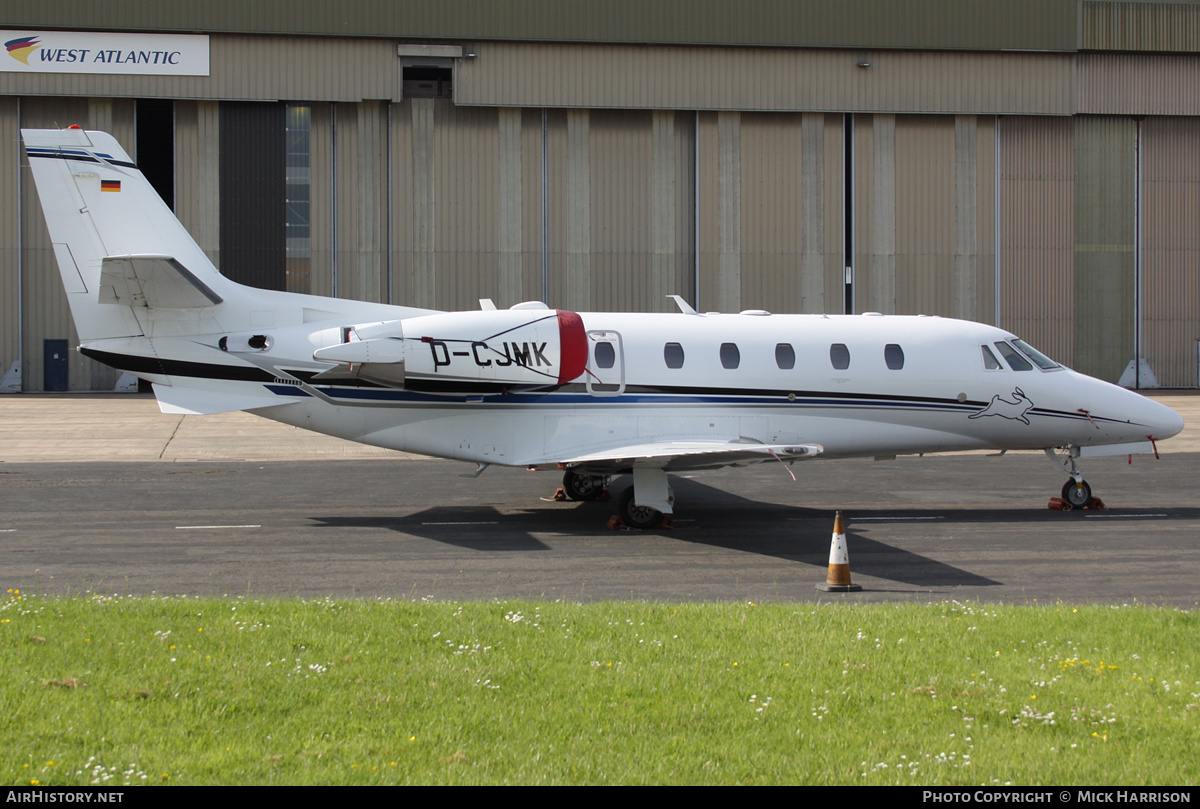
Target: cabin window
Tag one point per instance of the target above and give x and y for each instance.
(990, 363)
(1039, 359)
(730, 356)
(606, 355)
(839, 355)
(785, 356)
(1014, 360)
(893, 355)
(673, 355)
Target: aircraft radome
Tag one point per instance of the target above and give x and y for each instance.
(596, 394)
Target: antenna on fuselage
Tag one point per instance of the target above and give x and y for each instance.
(683, 305)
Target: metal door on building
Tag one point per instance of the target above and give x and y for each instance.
(54, 365)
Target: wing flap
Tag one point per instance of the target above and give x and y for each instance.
(694, 454)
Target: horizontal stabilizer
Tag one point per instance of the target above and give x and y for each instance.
(154, 281)
(190, 401)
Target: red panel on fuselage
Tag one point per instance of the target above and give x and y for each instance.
(573, 348)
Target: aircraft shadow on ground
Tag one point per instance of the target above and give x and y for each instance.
(717, 518)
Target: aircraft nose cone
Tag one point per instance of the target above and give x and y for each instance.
(1165, 422)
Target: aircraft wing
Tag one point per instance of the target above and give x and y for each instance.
(677, 455)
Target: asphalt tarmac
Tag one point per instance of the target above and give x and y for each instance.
(965, 527)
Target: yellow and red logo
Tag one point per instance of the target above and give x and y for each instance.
(20, 49)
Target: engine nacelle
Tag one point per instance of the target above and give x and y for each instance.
(456, 352)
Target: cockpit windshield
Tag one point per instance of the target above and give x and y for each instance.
(1015, 352)
(1039, 359)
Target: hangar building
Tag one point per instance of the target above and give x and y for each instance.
(1029, 163)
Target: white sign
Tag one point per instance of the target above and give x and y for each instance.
(125, 54)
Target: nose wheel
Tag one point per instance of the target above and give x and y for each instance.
(1078, 494)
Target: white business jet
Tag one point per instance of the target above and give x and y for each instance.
(595, 394)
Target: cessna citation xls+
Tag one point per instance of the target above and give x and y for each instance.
(594, 393)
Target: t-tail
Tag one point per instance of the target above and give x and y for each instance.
(118, 246)
(144, 296)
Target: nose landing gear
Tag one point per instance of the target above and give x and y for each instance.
(1076, 493)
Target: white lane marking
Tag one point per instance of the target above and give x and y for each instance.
(862, 519)
(1122, 516)
(487, 522)
(189, 527)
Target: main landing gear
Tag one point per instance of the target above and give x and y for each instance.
(649, 502)
(583, 487)
(1076, 492)
(636, 516)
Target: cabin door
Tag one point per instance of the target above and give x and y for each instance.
(606, 364)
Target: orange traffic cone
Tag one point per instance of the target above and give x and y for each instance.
(838, 578)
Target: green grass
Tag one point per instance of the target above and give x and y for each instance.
(163, 690)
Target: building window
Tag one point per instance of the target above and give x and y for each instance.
(428, 81)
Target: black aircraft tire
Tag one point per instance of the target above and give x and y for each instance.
(1077, 496)
(638, 516)
(582, 487)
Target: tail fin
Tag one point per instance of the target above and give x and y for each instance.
(115, 240)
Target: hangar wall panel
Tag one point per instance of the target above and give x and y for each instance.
(621, 209)
(657, 77)
(321, 267)
(1105, 243)
(466, 154)
(1137, 84)
(769, 212)
(197, 173)
(924, 215)
(1037, 233)
(11, 157)
(772, 213)
(1140, 26)
(995, 25)
(532, 208)
(1171, 249)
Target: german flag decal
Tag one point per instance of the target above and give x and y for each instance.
(110, 185)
